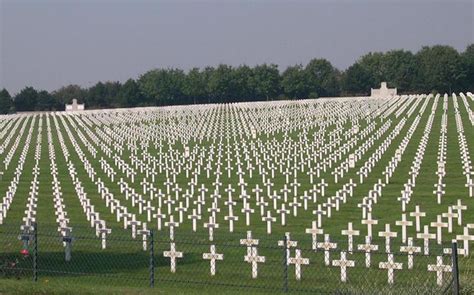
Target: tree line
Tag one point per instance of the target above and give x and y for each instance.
(431, 69)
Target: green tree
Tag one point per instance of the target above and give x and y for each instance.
(440, 69)
(5, 101)
(130, 95)
(45, 101)
(295, 82)
(244, 84)
(96, 96)
(323, 78)
(195, 86)
(467, 59)
(66, 94)
(373, 63)
(267, 81)
(26, 100)
(164, 86)
(357, 80)
(221, 85)
(400, 70)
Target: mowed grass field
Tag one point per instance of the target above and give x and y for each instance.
(125, 264)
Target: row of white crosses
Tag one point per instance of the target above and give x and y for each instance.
(10, 134)
(31, 202)
(12, 188)
(91, 215)
(248, 210)
(121, 212)
(442, 150)
(283, 209)
(59, 206)
(462, 143)
(253, 258)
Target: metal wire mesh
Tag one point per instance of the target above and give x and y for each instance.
(287, 264)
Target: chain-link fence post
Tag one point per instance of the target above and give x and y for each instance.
(35, 252)
(152, 259)
(285, 264)
(454, 257)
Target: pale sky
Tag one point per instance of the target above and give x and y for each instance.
(49, 44)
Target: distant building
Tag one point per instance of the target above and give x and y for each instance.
(74, 107)
(383, 91)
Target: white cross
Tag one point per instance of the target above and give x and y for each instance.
(213, 256)
(231, 218)
(465, 237)
(369, 222)
(450, 215)
(343, 263)
(173, 254)
(327, 246)
(410, 249)
(283, 211)
(459, 207)
(390, 265)
(211, 225)
(404, 223)
(367, 247)
(350, 232)
(269, 219)
(249, 241)
(387, 234)
(159, 216)
(194, 217)
(171, 224)
(417, 214)
(253, 258)
(319, 212)
(314, 231)
(298, 260)
(439, 268)
(439, 224)
(288, 245)
(426, 236)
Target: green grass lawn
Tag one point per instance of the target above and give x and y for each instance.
(123, 266)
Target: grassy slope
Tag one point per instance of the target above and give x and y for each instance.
(89, 249)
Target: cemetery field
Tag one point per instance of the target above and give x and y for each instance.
(266, 195)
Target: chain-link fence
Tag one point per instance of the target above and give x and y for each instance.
(288, 264)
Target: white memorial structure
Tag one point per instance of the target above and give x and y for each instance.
(74, 106)
(383, 91)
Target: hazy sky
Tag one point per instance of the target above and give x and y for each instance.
(48, 44)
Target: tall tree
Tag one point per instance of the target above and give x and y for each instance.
(244, 83)
(26, 99)
(221, 84)
(96, 96)
(5, 102)
(45, 101)
(440, 68)
(373, 64)
(195, 86)
(467, 59)
(267, 81)
(322, 78)
(130, 95)
(66, 94)
(357, 80)
(112, 90)
(295, 82)
(400, 70)
(164, 86)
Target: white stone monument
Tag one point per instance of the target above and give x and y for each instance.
(74, 107)
(383, 91)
